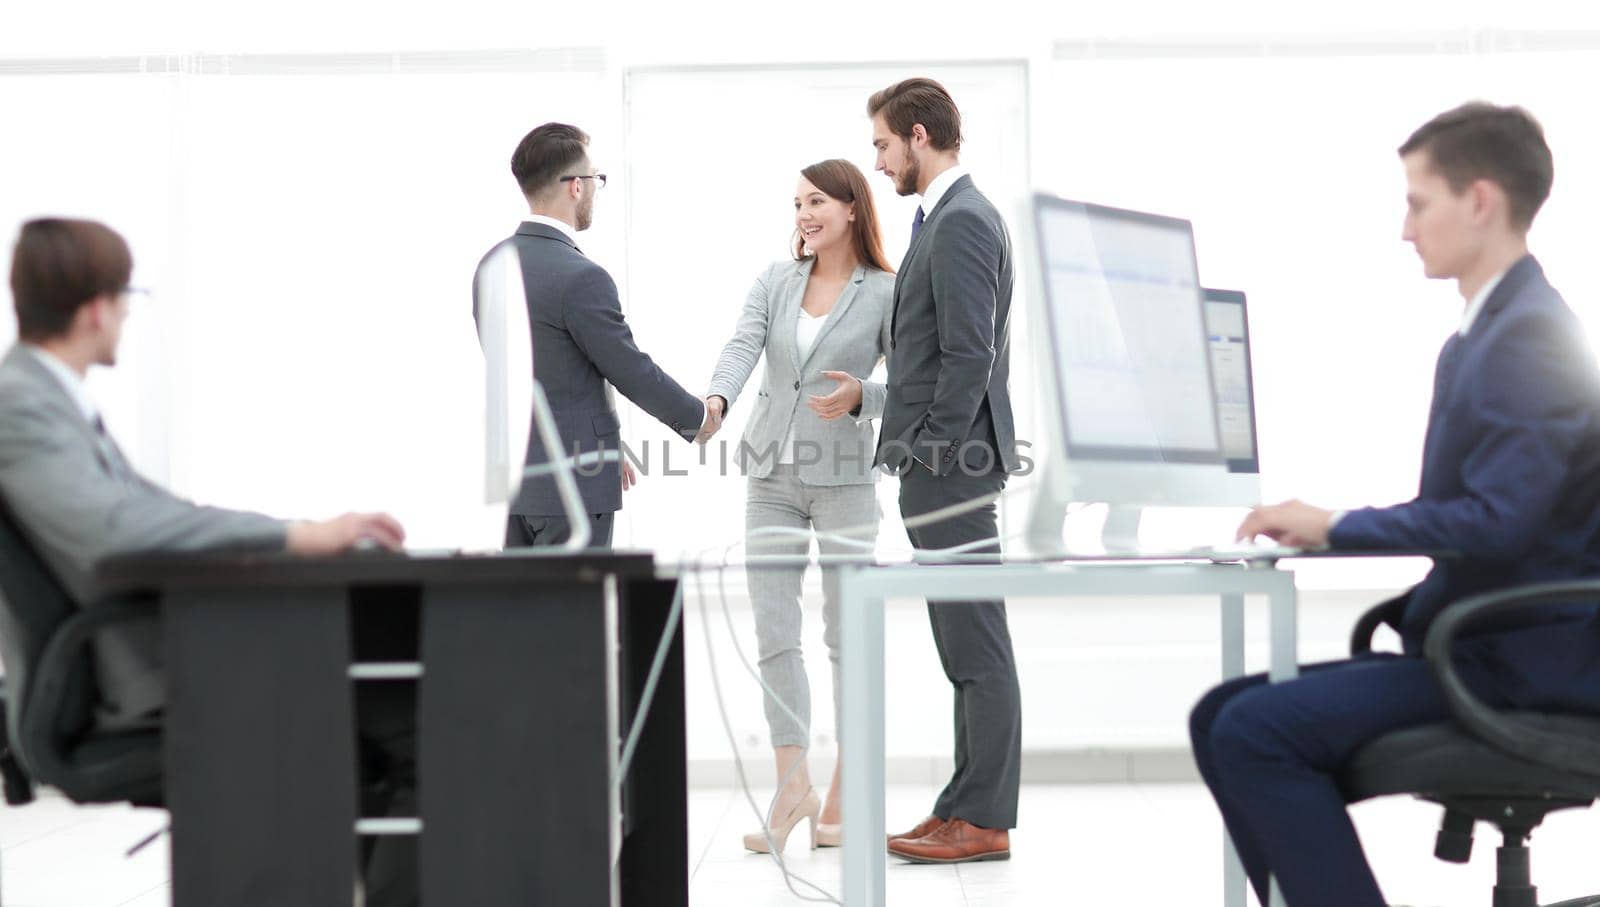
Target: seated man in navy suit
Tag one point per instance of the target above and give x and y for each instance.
(1510, 481)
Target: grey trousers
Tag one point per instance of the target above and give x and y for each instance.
(542, 531)
(974, 643)
(781, 499)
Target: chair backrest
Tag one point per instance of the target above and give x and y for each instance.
(33, 606)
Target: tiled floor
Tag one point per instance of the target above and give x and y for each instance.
(1078, 844)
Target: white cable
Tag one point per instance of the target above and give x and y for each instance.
(804, 560)
(560, 463)
(648, 695)
(789, 878)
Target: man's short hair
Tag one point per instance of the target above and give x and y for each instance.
(546, 154)
(905, 104)
(1504, 145)
(59, 265)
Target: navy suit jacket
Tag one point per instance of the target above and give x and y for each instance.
(1510, 470)
(580, 342)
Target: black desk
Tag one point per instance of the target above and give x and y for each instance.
(529, 677)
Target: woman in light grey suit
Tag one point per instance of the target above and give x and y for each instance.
(823, 322)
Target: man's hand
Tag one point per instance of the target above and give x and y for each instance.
(345, 532)
(845, 398)
(715, 407)
(1293, 523)
(629, 478)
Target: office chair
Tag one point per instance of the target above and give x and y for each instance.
(1506, 768)
(49, 692)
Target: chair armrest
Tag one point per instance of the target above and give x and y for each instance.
(48, 686)
(1569, 754)
(1383, 613)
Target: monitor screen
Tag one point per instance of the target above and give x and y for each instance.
(1228, 333)
(1122, 297)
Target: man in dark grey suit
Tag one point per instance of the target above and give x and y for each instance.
(581, 342)
(79, 501)
(947, 432)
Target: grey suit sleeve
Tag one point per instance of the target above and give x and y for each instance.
(593, 316)
(79, 515)
(742, 351)
(875, 394)
(965, 262)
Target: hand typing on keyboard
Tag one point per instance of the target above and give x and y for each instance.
(1249, 551)
(1293, 523)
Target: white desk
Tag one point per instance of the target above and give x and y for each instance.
(863, 590)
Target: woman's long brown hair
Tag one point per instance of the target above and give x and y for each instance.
(843, 181)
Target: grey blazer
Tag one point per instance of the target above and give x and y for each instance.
(79, 502)
(580, 343)
(854, 339)
(950, 342)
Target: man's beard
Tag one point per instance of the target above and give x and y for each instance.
(585, 214)
(905, 182)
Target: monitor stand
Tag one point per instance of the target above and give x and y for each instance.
(1120, 533)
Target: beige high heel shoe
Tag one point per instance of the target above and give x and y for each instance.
(808, 808)
(830, 834)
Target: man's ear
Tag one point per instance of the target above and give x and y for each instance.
(1488, 200)
(919, 134)
(94, 314)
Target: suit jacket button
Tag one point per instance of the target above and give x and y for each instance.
(797, 385)
(891, 344)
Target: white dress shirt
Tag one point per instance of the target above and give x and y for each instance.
(807, 327)
(565, 228)
(1476, 305)
(940, 185)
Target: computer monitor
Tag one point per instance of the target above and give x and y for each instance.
(1129, 414)
(1228, 336)
(511, 394)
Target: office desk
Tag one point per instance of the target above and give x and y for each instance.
(527, 670)
(863, 591)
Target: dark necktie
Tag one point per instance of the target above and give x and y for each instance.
(119, 463)
(1443, 376)
(916, 224)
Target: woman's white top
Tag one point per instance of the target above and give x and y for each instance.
(806, 329)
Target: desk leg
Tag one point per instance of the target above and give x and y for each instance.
(514, 773)
(1233, 879)
(861, 666)
(655, 801)
(259, 747)
(1285, 633)
(1285, 653)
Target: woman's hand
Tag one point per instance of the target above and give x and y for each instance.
(716, 408)
(844, 399)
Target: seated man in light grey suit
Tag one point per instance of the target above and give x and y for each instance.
(78, 499)
(581, 342)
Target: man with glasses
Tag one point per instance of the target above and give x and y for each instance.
(79, 501)
(581, 342)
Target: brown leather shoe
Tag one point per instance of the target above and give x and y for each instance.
(924, 827)
(956, 841)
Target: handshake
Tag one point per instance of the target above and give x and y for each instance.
(845, 399)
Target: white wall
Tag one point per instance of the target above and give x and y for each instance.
(308, 186)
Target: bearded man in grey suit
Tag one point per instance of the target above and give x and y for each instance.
(79, 501)
(947, 432)
(581, 343)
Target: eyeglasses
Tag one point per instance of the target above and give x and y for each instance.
(599, 178)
